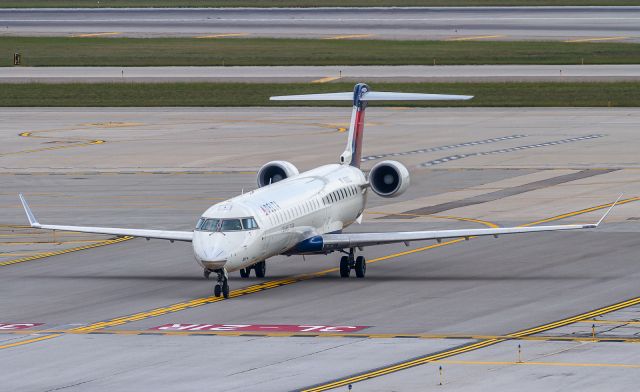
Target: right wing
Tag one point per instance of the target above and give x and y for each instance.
(353, 240)
(159, 234)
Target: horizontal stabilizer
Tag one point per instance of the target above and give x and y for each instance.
(373, 96)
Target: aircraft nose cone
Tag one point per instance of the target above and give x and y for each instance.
(210, 254)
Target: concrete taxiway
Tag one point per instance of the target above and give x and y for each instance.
(467, 23)
(465, 306)
(324, 74)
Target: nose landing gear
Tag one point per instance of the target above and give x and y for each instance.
(222, 286)
(350, 262)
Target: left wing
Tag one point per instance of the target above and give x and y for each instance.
(159, 234)
(353, 240)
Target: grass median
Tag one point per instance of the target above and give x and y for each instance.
(303, 3)
(240, 94)
(70, 51)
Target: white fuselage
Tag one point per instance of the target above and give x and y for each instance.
(323, 200)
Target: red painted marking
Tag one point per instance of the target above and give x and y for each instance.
(13, 326)
(357, 147)
(259, 328)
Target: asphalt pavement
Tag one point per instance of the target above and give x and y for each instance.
(445, 23)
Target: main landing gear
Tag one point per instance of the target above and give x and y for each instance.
(260, 268)
(222, 286)
(350, 262)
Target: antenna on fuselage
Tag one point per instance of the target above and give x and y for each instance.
(361, 94)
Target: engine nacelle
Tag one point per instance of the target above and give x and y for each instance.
(275, 171)
(389, 178)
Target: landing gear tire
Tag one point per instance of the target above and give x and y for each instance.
(225, 290)
(206, 273)
(261, 269)
(245, 272)
(222, 286)
(360, 267)
(345, 268)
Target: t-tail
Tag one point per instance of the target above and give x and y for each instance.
(361, 95)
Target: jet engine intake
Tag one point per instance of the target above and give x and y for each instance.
(275, 171)
(389, 178)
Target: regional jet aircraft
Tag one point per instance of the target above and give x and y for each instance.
(292, 213)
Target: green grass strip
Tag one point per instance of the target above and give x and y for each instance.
(240, 94)
(303, 3)
(69, 51)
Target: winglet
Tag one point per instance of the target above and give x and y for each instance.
(609, 210)
(32, 218)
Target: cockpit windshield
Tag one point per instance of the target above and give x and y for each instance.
(237, 224)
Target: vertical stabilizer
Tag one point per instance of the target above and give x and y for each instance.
(353, 152)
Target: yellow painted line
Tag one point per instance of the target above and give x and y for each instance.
(61, 252)
(349, 36)
(45, 234)
(583, 211)
(90, 173)
(226, 35)
(595, 39)
(475, 37)
(54, 148)
(533, 363)
(113, 124)
(107, 34)
(20, 254)
(47, 242)
(401, 366)
(486, 223)
(326, 79)
(23, 342)
(580, 317)
(631, 322)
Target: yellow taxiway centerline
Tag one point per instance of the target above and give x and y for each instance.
(349, 36)
(89, 35)
(533, 363)
(222, 35)
(64, 251)
(595, 39)
(326, 79)
(475, 37)
(630, 322)
(28, 341)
